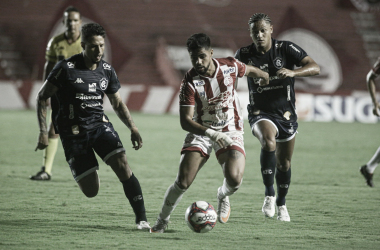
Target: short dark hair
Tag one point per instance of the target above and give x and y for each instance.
(259, 16)
(198, 41)
(92, 29)
(71, 9)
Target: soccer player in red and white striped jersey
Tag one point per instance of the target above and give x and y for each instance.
(211, 114)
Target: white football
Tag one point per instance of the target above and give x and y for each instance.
(201, 217)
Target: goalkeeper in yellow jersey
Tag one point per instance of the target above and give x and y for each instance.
(59, 47)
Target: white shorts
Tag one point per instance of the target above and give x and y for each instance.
(204, 145)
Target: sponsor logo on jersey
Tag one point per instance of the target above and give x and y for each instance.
(220, 123)
(103, 83)
(291, 130)
(79, 80)
(228, 71)
(228, 81)
(293, 47)
(106, 66)
(219, 102)
(95, 104)
(222, 97)
(198, 83)
(278, 62)
(287, 115)
(264, 68)
(278, 45)
(92, 87)
(244, 50)
(70, 65)
(261, 89)
(82, 96)
(257, 80)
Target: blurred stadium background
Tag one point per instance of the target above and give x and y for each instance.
(146, 45)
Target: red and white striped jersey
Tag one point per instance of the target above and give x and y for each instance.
(376, 67)
(216, 103)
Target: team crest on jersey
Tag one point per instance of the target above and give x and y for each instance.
(278, 62)
(103, 83)
(278, 45)
(106, 66)
(92, 87)
(198, 83)
(228, 81)
(70, 65)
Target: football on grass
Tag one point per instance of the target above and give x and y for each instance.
(201, 217)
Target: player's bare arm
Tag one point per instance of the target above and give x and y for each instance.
(48, 68)
(47, 90)
(122, 112)
(308, 68)
(257, 73)
(372, 92)
(186, 118)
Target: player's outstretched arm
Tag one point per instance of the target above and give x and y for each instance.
(122, 112)
(372, 92)
(257, 73)
(308, 68)
(186, 118)
(47, 90)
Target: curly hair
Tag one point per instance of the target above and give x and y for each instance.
(92, 29)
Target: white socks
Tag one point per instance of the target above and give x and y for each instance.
(227, 190)
(172, 197)
(372, 164)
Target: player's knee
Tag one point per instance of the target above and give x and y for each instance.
(183, 183)
(268, 144)
(235, 180)
(234, 183)
(284, 165)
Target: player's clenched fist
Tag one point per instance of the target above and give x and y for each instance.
(222, 139)
(283, 73)
(43, 141)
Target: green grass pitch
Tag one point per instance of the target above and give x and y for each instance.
(329, 204)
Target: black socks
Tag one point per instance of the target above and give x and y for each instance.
(268, 167)
(283, 182)
(132, 190)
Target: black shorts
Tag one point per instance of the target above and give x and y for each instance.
(79, 149)
(286, 130)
